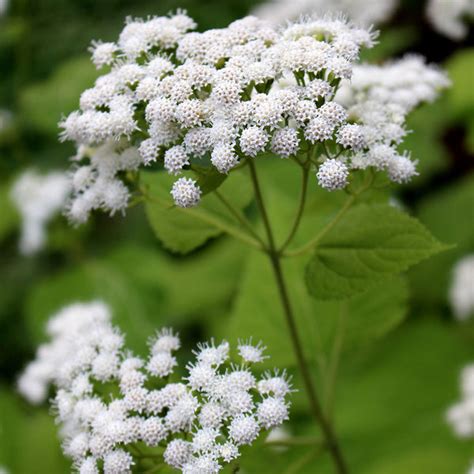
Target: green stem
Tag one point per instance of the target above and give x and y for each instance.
(275, 259)
(239, 217)
(335, 358)
(312, 243)
(299, 213)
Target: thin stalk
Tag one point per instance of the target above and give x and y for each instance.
(299, 212)
(330, 439)
(312, 243)
(335, 358)
(239, 216)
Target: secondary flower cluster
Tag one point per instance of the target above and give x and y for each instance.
(178, 97)
(107, 399)
(461, 293)
(379, 98)
(365, 12)
(461, 415)
(448, 17)
(38, 199)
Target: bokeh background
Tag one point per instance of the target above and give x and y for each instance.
(392, 394)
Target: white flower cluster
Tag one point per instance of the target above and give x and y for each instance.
(365, 12)
(197, 424)
(448, 17)
(379, 99)
(461, 293)
(38, 199)
(3, 6)
(461, 415)
(176, 96)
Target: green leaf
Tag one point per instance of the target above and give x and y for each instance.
(183, 230)
(206, 279)
(368, 244)
(258, 313)
(133, 306)
(28, 440)
(208, 178)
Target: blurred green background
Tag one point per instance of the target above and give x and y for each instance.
(393, 392)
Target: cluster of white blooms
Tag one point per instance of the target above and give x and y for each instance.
(461, 293)
(448, 16)
(3, 6)
(38, 199)
(461, 415)
(108, 399)
(179, 97)
(378, 99)
(365, 12)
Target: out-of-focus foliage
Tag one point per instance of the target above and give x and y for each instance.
(391, 396)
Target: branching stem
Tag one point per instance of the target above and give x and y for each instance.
(299, 212)
(275, 259)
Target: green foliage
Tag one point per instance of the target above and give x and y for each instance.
(362, 319)
(461, 95)
(9, 220)
(183, 230)
(426, 144)
(58, 95)
(28, 438)
(390, 405)
(369, 243)
(450, 215)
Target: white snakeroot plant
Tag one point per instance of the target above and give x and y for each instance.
(461, 293)
(38, 199)
(108, 401)
(207, 108)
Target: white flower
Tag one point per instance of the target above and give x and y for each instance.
(161, 364)
(118, 462)
(332, 175)
(153, 431)
(272, 412)
(176, 159)
(285, 142)
(186, 192)
(243, 430)
(251, 353)
(177, 453)
(224, 158)
(461, 293)
(253, 140)
(165, 340)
